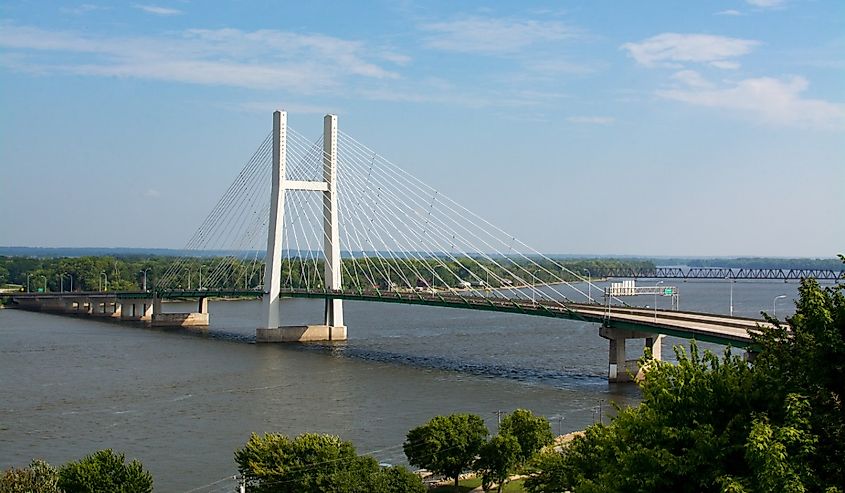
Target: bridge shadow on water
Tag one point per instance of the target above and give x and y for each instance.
(561, 379)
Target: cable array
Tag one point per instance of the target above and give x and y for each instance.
(396, 234)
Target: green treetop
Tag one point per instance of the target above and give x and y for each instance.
(446, 445)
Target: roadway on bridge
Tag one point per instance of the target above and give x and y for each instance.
(719, 329)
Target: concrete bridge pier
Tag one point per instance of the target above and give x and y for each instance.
(138, 310)
(619, 368)
(198, 319)
(106, 308)
(72, 306)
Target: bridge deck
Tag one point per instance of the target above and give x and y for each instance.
(701, 326)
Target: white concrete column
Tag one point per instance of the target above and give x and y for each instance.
(616, 367)
(147, 313)
(655, 343)
(273, 258)
(331, 242)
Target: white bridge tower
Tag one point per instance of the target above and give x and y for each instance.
(333, 328)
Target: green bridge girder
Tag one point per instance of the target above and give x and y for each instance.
(548, 309)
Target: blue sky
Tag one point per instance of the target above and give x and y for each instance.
(639, 128)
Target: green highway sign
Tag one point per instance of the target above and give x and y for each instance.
(668, 291)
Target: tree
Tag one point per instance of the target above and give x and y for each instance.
(446, 445)
(105, 471)
(497, 459)
(807, 357)
(39, 477)
(531, 431)
(711, 424)
(398, 479)
(318, 463)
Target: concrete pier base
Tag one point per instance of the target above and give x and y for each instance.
(180, 320)
(198, 319)
(301, 333)
(620, 369)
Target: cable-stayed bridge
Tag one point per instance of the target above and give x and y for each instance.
(340, 222)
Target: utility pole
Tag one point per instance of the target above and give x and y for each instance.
(560, 425)
(498, 414)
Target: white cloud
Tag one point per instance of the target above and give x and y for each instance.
(155, 9)
(592, 120)
(730, 12)
(264, 59)
(151, 192)
(265, 107)
(675, 48)
(557, 67)
(766, 4)
(725, 65)
(691, 78)
(82, 9)
(492, 36)
(765, 99)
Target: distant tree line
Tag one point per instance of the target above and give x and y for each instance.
(762, 263)
(374, 272)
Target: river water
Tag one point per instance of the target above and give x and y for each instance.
(182, 401)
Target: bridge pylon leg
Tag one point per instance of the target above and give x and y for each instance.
(331, 242)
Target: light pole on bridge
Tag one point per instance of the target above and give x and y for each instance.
(732, 295)
(27, 282)
(775, 305)
(45, 282)
(144, 287)
(102, 276)
(655, 299)
(589, 286)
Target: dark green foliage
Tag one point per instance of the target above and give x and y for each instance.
(531, 432)
(808, 359)
(316, 463)
(711, 424)
(124, 273)
(760, 263)
(38, 477)
(497, 459)
(446, 445)
(398, 479)
(105, 471)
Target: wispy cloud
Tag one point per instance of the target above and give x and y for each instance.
(263, 59)
(265, 107)
(157, 10)
(691, 78)
(82, 9)
(493, 36)
(729, 12)
(766, 4)
(592, 120)
(674, 48)
(765, 99)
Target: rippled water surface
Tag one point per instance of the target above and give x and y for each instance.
(182, 402)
